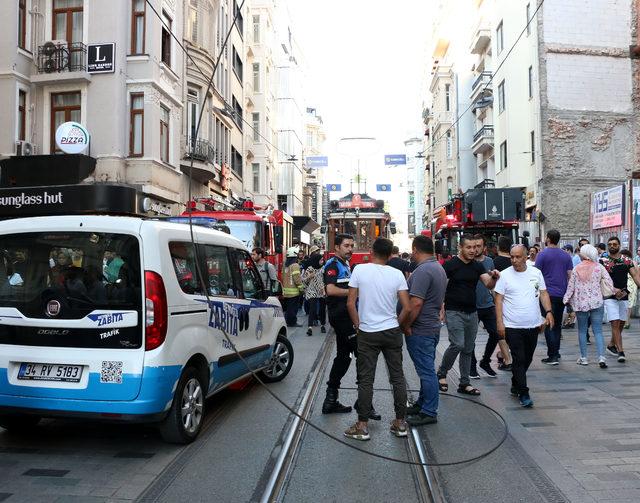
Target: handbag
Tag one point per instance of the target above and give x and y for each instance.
(604, 287)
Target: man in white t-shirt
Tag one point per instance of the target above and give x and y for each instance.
(519, 292)
(377, 288)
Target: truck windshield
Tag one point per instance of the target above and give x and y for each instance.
(246, 231)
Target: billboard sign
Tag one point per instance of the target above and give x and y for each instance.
(607, 208)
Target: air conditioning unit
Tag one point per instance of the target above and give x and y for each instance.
(55, 55)
(25, 148)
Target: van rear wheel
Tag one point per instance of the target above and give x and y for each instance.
(184, 421)
(18, 423)
(281, 361)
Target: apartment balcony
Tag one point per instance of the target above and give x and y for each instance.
(59, 62)
(204, 156)
(481, 85)
(482, 140)
(481, 40)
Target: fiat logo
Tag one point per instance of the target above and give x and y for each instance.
(53, 308)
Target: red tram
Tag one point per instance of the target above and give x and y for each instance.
(361, 216)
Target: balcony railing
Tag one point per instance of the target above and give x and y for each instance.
(199, 150)
(483, 132)
(62, 57)
(483, 78)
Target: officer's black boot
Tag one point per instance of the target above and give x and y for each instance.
(331, 404)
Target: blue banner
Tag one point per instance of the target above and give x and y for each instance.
(395, 159)
(317, 161)
(384, 187)
(334, 187)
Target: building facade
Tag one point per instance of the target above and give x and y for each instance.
(143, 112)
(546, 115)
(314, 141)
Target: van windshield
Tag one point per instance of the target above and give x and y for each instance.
(82, 271)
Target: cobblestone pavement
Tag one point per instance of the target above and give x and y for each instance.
(584, 429)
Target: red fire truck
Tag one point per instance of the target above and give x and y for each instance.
(493, 212)
(271, 230)
(361, 216)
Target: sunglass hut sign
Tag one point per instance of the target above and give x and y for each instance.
(29, 199)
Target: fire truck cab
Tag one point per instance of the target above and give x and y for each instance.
(492, 212)
(271, 230)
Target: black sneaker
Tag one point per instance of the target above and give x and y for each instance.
(550, 361)
(413, 409)
(486, 366)
(473, 374)
(621, 357)
(613, 350)
(372, 415)
(504, 368)
(309, 331)
(323, 330)
(420, 419)
(514, 391)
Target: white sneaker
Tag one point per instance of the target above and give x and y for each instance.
(582, 361)
(602, 361)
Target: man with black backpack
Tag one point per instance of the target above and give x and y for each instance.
(266, 269)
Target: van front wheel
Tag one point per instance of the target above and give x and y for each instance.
(281, 361)
(184, 421)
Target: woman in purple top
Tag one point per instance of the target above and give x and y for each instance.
(585, 296)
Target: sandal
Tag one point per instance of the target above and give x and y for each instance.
(468, 390)
(443, 386)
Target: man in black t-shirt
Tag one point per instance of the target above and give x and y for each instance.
(398, 263)
(463, 272)
(503, 260)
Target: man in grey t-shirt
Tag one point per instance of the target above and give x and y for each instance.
(427, 287)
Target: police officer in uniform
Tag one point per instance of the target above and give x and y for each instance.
(336, 280)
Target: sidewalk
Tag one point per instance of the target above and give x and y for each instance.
(583, 433)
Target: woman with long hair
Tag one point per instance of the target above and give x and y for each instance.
(584, 294)
(314, 292)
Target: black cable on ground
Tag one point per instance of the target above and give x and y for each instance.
(226, 335)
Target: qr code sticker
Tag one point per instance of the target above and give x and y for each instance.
(111, 372)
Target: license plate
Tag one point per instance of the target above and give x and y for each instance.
(50, 372)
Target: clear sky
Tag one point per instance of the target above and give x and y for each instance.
(364, 62)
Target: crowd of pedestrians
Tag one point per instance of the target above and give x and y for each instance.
(515, 291)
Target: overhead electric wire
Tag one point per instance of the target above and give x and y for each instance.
(486, 86)
(233, 346)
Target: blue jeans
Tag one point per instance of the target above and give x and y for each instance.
(422, 350)
(595, 317)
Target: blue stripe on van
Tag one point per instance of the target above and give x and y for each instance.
(156, 391)
(155, 394)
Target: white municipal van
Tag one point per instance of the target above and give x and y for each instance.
(106, 317)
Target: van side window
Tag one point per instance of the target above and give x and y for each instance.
(217, 270)
(249, 275)
(184, 265)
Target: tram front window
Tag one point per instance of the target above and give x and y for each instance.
(364, 235)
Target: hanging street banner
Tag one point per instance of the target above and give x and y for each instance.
(384, 187)
(317, 161)
(607, 208)
(334, 187)
(395, 160)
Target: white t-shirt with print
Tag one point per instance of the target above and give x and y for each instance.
(378, 287)
(521, 291)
